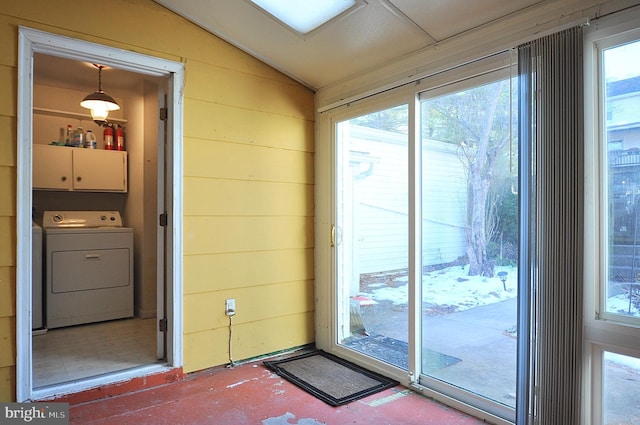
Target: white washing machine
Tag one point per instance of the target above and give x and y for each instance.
(89, 267)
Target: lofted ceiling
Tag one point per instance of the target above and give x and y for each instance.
(379, 33)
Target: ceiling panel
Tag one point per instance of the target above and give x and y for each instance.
(445, 18)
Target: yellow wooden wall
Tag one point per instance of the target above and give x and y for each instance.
(248, 179)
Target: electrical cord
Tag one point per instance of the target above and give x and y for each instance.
(231, 363)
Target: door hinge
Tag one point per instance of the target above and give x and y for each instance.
(162, 325)
(164, 113)
(163, 219)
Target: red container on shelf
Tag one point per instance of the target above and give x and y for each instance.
(119, 138)
(107, 137)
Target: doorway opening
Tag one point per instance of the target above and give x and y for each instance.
(132, 326)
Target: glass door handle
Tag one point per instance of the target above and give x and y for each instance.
(336, 235)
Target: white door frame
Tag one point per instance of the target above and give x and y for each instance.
(34, 41)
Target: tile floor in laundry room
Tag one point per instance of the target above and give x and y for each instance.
(250, 393)
(76, 352)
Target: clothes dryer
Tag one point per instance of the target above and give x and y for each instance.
(89, 267)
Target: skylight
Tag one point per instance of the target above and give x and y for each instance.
(305, 16)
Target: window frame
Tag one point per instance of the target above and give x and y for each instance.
(603, 146)
(602, 332)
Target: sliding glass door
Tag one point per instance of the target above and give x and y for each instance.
(449, 241)
(372, 234)
(470, 239)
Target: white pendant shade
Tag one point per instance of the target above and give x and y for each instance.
(99, 102)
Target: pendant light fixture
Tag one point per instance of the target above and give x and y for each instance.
(99, 102)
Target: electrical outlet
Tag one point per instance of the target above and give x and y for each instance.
(230, 307)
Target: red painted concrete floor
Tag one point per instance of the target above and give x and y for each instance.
(251, 394)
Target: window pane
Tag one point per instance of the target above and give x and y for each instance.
(621, 293)
(621, 389)
(372, 236)
(470, 241)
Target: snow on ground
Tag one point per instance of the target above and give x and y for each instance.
(455, 289)
(451, 287)
(620, 304)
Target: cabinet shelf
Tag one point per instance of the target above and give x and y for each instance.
(73, 115)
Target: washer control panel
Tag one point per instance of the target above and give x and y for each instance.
(73, 219)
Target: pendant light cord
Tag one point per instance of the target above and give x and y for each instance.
(100, 77)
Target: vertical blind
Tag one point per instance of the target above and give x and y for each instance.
(551, 137)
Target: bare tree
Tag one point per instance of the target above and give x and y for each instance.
(478, 121)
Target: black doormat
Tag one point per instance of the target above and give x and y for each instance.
(329, 378)
(396, 352)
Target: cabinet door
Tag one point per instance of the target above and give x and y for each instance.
(52, 167)
(99, 170)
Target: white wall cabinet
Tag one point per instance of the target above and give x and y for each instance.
(89, 170)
